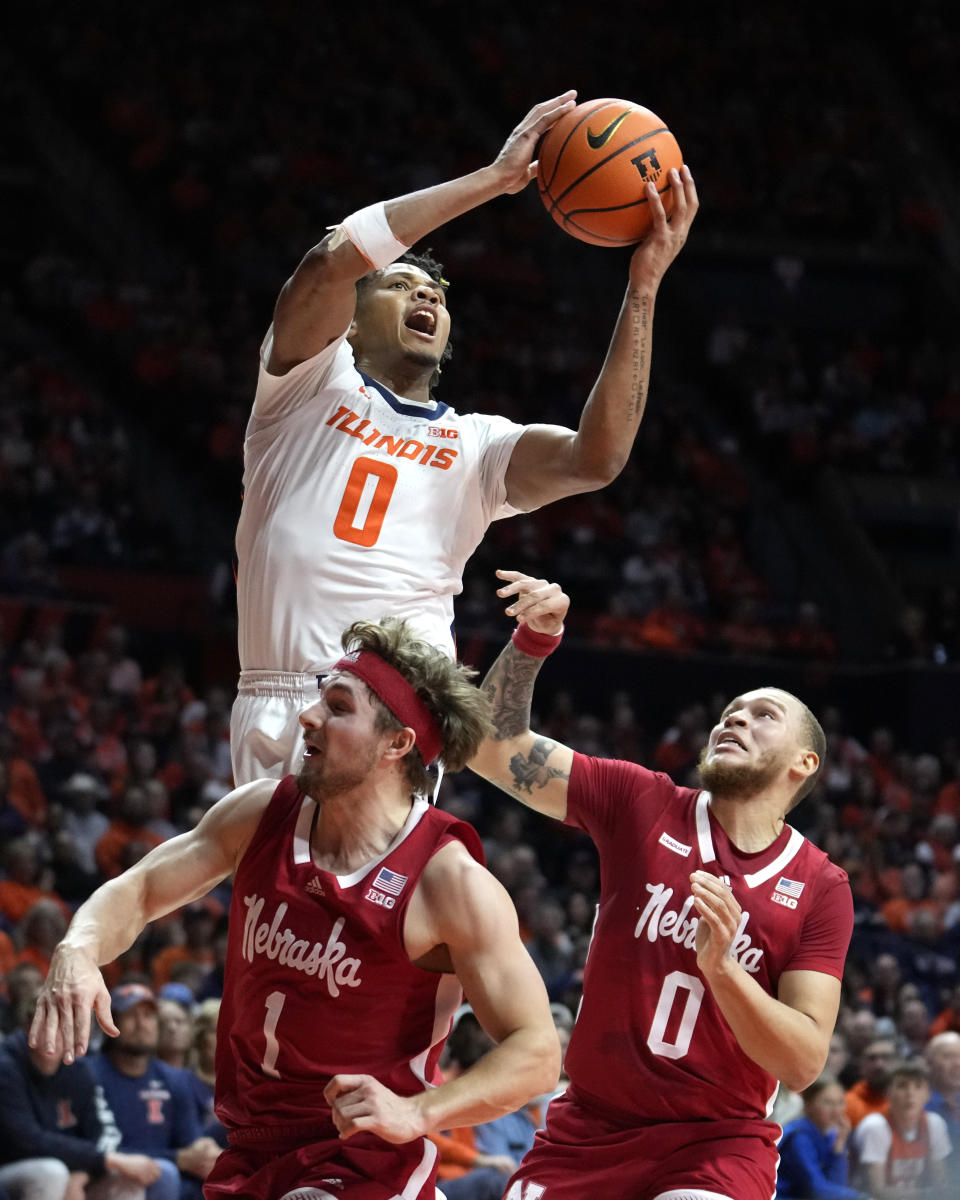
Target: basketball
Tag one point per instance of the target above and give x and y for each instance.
(593, 166)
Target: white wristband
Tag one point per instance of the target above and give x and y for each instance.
(372, 236)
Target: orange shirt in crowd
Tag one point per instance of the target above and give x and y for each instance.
(109, 849)
(862, 1099)
(16, 899)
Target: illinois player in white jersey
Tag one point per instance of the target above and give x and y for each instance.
(715, 964)
(364, 495)
(359, 915)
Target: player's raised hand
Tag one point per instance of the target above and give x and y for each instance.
(666, 238)
(719, 921)
(61, 1023)
(516, 160)
(534, 602)
(360, 1103)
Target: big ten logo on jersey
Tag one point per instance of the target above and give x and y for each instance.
(525, 1191)
(379, 898)
(439, 431)
(425, 453)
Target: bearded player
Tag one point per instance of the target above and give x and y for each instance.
(358, 911)
(364, 494)
(715, 965)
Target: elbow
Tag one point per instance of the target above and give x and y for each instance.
(321, 266)
(803, 1072)
(547, 1061)
(598, 472)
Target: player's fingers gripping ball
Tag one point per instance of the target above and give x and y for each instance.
(594, 165)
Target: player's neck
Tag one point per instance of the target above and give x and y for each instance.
(358, 826)
(406, 379)
(751, 825)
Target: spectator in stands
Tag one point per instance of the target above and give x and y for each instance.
(943, 1059)
(128, 838)
(913, 1025)
(51, 1110)
(813, 1150)
(194, 926)
(152, 1103)
(902, 1152)
(82, 819)
(174, 1024)
(23, 983)
(202, 1066)
(948, 1019)
(25, 883)
(886, 976)
(39, 931)
(869, 1094)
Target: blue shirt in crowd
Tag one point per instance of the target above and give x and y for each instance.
(810, 1168)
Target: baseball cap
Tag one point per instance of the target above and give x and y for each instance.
(125, 997)
(178, 992)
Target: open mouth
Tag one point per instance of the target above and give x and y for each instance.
(422, 320)
(729, 739)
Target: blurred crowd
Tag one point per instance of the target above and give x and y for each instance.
(807, 338)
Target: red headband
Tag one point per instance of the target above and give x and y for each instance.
(398, 696)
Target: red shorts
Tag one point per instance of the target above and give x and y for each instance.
(581, 1153)
(361, 1168)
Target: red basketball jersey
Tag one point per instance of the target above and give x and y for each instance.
(650, 1042)
(317, 980)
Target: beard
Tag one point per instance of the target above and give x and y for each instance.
(321, 780)
(727, 779)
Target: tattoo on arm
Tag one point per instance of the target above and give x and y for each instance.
(509, 684)
(640, 331)
(531, 770)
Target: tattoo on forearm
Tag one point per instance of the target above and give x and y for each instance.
(640, 332)
(509, 684)
(531, 770)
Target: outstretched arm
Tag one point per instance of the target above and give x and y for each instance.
(460, 906)
(550, 462)
(532, 768)
(176, 872)
(316, 304)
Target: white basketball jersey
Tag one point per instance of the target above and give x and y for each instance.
(357, 505)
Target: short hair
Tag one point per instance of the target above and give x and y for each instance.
(813, 738)
(914, 1069)
(461, 711)
(820, 1084)
(426, 262)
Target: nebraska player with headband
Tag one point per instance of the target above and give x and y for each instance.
(364, 494)
(359, 914)
(715, 965)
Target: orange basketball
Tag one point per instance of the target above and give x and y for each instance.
(593, 167)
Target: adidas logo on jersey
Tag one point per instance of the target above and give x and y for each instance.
(315, 887)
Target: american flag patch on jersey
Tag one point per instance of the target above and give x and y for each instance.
(390, 881)
(789, 887)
